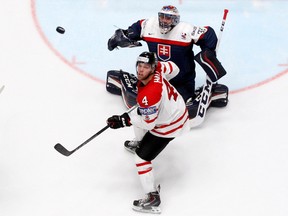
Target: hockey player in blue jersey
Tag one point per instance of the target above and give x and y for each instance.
(173, 40)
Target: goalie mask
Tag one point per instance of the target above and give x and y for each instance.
(168, 18)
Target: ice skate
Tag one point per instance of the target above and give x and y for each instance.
(131, 145)
(150, 204)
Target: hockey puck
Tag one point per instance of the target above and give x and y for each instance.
(60, 30)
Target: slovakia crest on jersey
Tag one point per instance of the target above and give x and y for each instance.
(164, 52)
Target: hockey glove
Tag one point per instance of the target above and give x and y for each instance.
(117, 121)
(120, 39)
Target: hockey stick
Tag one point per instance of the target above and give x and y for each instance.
(62, 150)
(221, 28)
(205, 95)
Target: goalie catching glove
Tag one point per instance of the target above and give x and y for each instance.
(117, 121)
(120, 39)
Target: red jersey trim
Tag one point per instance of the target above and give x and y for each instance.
(141, 21)
(179, 119)
(202, 35)
(170, 42)
(171, 131)
(170, 67)
(152, 120)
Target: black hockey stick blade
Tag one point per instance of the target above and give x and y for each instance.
(62, 150)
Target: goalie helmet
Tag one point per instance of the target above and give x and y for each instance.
(149, 58)
(168, 18)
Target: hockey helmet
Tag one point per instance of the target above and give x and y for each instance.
(171, 15)
(149, 58)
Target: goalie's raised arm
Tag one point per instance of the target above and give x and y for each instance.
(119, 38)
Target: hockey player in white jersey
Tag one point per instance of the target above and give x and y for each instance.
(161, 116)
(173, 40)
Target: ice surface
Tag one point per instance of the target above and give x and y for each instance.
(234, 164)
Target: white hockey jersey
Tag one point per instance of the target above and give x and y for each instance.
(183, 34)
(162, 109)
(177, 46)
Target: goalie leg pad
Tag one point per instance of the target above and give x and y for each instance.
(219, 95)
(218, 98)
(129, 88)
(192, 107)
(122, 83)
(210, 64)
(113, 83)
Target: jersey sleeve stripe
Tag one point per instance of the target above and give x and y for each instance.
(164, 68)
(170, 67)
(175, 122)
(151, 120)
(171, 131)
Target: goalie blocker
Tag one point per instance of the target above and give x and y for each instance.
(119, 82)
(210, 64)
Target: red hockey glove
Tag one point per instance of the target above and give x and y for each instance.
(117, 121)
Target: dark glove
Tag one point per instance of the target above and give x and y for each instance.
(121, 39)
(117, 121)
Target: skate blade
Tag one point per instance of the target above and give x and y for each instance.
(152, 210)
(130, 150)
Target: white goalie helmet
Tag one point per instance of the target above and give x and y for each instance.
(168, 18)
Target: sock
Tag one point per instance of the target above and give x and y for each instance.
(145, 173)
